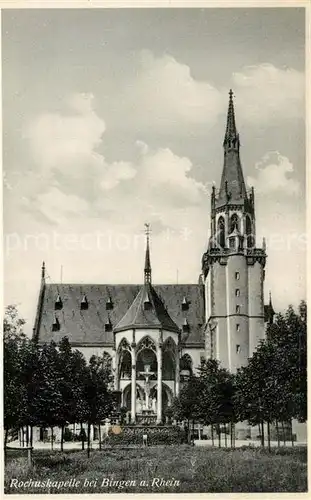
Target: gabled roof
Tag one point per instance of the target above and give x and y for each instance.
(140, 316)
(86, 327)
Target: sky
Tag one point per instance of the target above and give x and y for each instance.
(115, 117)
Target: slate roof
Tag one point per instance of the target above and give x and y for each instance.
(86, 327)
(138, 316)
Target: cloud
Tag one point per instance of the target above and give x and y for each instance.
(66, 150)
(165, 93)
(115, 173)
(273, 176)
(265, 92)
(59, 207)
(66, 140)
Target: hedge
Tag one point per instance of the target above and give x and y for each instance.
(155, 436)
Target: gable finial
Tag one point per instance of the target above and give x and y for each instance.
(147, 269)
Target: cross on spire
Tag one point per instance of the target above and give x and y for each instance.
(147, 269)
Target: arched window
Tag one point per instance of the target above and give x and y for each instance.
(221, 232)
(249, 236)
(234, 223)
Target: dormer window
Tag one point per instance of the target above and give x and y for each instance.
(147, 305)
(185, 326)
(58, 302)
(84, 303)
(185, 304)
(108, 325)
(55, 324)
(109, 304)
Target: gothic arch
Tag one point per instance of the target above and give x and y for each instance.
(169, 344)
(124, 360)
(169, 353)
(234, 223)
(127, 395)
(167, 394)
(124, 345)
(221, 231)
(146, 343)
(146, 357)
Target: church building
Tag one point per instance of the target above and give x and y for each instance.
(157, 335)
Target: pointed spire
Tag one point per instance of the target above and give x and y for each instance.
(232, 185)
(231, 131)
(147, 270)
(271, 311)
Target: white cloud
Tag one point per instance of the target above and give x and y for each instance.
(66, 140)
(59, 207)
(117, 172)
(273, 176)
(165, 93)
(265, 92)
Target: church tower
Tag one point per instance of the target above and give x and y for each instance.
(233, 268)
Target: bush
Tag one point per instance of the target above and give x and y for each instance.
(155, 436)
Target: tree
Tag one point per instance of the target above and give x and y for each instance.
(186, 405)
(216, 398)
(49, 400)
(98, 397)
(273, 386)
(14, 345)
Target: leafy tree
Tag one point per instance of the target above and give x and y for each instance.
(98, 397)
(273, 386)
(185, 406)
(49, 400)
(14, 345)
(216, 398)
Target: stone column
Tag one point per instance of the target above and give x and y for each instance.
(227, 229)
(177, 373)
(133, 384)
(115, 363)
(159, 393)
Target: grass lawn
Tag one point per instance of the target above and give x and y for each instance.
(183, 468)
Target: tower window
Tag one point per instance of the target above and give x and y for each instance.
(234, 223)
(237, 275)
(237, 327)
(238, 348)
(221, 232)
(237, 309)
(237, 292)
(232, 242)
